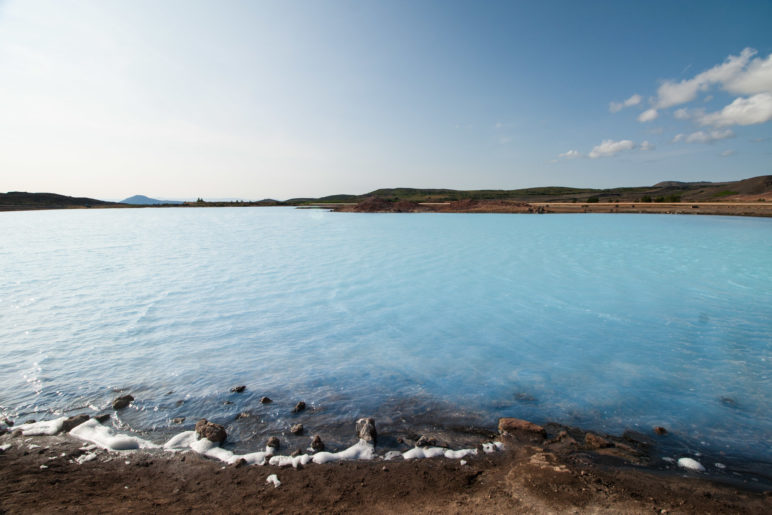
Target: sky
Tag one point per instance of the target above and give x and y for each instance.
(280, 99)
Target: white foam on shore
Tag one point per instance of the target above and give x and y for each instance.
(189, 440)
(274, 480)
(492, 447)
(361, 450)
(44, 428)
(5, 447)
(433, 452)
(690, 464)
(80, 460)
(104, 437)
(285, 461)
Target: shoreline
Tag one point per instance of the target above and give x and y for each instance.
(537, 470)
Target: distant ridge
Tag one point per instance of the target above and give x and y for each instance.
(141, 200)
(21, 200)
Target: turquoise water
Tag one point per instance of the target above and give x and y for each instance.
(609, 322)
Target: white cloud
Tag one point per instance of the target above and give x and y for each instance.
(648, 115)
(646, 146)
(571, 154)
(757, 78)
(681, 114)
(608, 148)
(704, 137)
(671, 93)
(618, 106)
(727, 153)
(742, 111)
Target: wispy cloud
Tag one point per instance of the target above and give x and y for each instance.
(609, 148)
(703, 136)
(646, 146)
(727, 153)
(570, 154)
(615, 107)
(648, 115)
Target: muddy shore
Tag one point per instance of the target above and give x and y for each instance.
(557, 470)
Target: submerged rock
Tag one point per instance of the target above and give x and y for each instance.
(426, 441)
(122, 402)
(365, 430)
(238, 389)
(178, 420)
(273, 442)
(300, 406)
(317, 444)
(211, 431)
(241, 415)
(74, 421)
(265, 400)
(515, 426)
(297, 429)
(8, 422)
(660, 430)
(104, 417)
(593, 441)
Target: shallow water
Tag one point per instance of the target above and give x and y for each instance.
(609, 322)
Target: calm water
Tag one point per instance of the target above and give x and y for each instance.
(609, 322)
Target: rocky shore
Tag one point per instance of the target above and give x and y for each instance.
(523, 468)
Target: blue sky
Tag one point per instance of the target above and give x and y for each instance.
(237, 99)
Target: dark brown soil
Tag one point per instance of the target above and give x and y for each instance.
(523, 478)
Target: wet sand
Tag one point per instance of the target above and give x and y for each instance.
(567, 472)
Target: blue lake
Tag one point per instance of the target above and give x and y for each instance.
(608, 322)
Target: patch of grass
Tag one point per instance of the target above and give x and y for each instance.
(725, 193)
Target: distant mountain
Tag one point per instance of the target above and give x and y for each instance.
(141, 200)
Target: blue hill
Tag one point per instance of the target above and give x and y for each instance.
(141, 200)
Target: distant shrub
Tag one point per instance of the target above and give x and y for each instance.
(646, 198)
(592, 200)
(674, 198)
(659, 199)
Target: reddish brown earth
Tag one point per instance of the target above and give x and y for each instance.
(531, 475)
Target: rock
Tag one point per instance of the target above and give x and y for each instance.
(238, 389)
(241, 415)
(122, 402)
(74, 421)
(365, 429)
(30, 421)
(300, 406)
(8, 422)
(273, 442)
(3, 431)
(265, 400)
(227, 402)
(17, 433)
(660, 430)
(104, 417)
(211, 431)
(241, 462)
(317, 444)
(178, 420)
(514, 426)
(594, 441)
(297, 429)
(426, 441)
(296, 452)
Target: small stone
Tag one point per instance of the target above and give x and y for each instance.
(297, 429)
(241, 415)
(74, 421)
(238, 389)
(660, 430)
(17, 433)
(211, 431)
(3, 431)
(365, 429)
(513, 426)
(317, 444)
(300, 406)
(8, 422)
(104, 417)
(240, 463)
(273, 442)
(30, 421)
(178, 420)
(426, 441)
(594, 441)
(296, 452)
(265, 400)
(227, 403)
(122, 402)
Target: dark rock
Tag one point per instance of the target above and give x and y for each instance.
(660, 430)
(273, 442)
(296, 452)
(594, 441)
(240, 463)
(564, 438)
(122, 402)
(365, 429)
(3, 431)
(241, 415)
(426, 441)
(30, 421)
(178, 420)
(227, 402)
(8, 422)
(17, 433)
(525, 397)
(638, 439)
(300, 406)
(265, 400)
(517, 426)
(104, 417)
(211, 431)
(238, 389)
(74, 421)
(728, 401)
(317, 444)
(297, 429)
